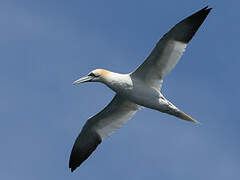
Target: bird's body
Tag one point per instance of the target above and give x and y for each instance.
(132, 88)
(136, 90)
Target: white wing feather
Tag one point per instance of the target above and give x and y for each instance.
(113, 116)
(162, 60)
(169, 50)
(101, 125)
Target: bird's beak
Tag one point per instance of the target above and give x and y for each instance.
(83, 79)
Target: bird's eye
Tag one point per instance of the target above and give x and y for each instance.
(92, 74)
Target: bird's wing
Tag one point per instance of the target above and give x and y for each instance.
(112, 117)
(169, 49)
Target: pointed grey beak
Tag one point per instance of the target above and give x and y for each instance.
(83, 79)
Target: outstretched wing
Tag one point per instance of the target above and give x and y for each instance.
(112, 117)
(169, 49)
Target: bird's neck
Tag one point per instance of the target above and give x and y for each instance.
(118, 82)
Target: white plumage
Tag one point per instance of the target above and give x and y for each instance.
(136, 90)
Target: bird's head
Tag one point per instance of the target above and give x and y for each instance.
(97, 75)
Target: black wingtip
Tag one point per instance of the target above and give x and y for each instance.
(81, 152)
(72, 169)
(206, 9)
(73, 166)
(192, 23)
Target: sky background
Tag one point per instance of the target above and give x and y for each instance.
(46, 45)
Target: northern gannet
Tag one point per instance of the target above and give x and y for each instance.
(135, 90)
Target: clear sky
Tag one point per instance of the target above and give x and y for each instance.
(47, 44)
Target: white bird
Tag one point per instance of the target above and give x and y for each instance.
(135, 90)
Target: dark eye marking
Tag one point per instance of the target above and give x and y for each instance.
(92, 74)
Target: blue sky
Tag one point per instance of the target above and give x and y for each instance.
(45, 45)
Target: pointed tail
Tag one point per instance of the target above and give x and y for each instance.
(169, 108)
(186, 117)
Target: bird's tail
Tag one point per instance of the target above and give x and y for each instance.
(186, 117)
(169, 108)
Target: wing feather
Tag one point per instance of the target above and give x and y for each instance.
(169, 49)
(112, 117)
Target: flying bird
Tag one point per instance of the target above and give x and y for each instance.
(138, 89)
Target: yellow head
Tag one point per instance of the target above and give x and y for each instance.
(96, 75)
